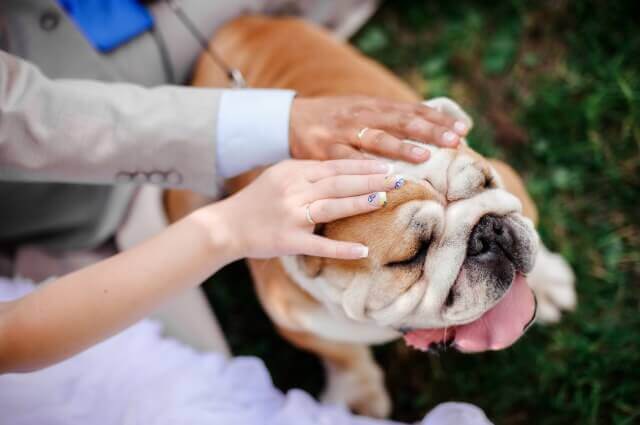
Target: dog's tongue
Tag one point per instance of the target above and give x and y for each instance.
(498, 328)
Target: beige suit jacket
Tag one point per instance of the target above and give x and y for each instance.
(84, 131)
(69, 144)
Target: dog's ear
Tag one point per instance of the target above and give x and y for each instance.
(312, 266)
(513, 183)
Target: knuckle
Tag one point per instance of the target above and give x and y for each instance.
(417, 126)
(320, 248)
(384, 105)
(324, 209)
(395, 146)
(440, 117)
(389, 144)
(436, 131)
(372, 184)
(335, 185)
(356, 205)
(342, 116)
(290, 205)
(378, 137)
(448, 121)
(287, 188)
(349, 166)
(405, 121)
(280, 241)
(368, 166)
(281, 174)
(359, 109)
(333, 166)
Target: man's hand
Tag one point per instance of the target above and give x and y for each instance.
(332, 128)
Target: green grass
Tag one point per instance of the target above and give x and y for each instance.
(554, 89)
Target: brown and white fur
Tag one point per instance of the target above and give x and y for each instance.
(305, 297)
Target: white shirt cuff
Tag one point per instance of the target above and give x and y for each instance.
(253, 129)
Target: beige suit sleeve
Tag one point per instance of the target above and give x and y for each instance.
(92, 132)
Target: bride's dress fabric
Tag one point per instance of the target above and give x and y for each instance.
(139, 377)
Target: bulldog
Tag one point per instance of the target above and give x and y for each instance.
(454, 258)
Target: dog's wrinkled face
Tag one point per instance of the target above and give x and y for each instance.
(447, 258)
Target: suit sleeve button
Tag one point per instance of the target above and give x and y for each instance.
(157, 178)
(174, 178)
(49, 20)
(123, 177)
(140, 178)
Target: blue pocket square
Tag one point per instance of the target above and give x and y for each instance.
(108, 24)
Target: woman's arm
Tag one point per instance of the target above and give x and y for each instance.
(72, 313)
(266, 219)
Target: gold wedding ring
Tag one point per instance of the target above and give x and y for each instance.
(307, 211)
(362, 132)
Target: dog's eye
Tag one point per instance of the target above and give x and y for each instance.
(489, 182)
(416, 257)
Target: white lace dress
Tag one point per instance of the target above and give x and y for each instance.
(139, 377)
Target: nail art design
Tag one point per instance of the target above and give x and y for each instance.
(378, 198)
(394, 182)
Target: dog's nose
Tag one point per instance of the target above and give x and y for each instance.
(490, 235)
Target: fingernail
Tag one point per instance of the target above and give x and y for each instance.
(378, 199)
(360, 251)
(418, 152)
(382, 168)
(460, 128)
(449, 137)
(394, 182)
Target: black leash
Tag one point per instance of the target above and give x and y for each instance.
(235, 77)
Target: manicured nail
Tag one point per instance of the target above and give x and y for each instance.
(378, 199)
(418, 152)
(394, 181)
(449, 137)
(460, 128)
(360, 251)
(382, 168)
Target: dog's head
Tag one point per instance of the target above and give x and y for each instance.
(447, 257)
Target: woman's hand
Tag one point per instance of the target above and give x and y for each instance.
(275, 214)
(343, 127)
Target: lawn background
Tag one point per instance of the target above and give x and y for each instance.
(554, 89)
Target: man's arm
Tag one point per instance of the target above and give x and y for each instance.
(93, 132)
